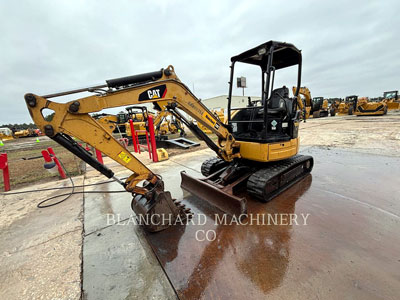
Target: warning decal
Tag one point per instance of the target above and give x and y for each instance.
(125, 157)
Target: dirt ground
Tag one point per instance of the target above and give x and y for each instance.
(379, 135)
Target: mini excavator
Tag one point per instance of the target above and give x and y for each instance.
(256, 148)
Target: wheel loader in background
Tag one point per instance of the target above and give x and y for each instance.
(320, 107)
(333, 106)
(392, 100)
(256, 149)
(344, 106)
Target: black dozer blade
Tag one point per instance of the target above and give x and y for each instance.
(218, 197)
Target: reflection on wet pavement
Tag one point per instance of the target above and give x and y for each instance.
(335, 248)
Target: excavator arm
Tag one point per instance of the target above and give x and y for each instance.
(72, 119)
(306, 103)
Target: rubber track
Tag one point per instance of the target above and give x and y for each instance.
(207, 166)
(257, 182)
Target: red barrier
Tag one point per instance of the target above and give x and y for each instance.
(57, 162)
(124, 142)
(133, 134)
(148, 144)
(6, 171)
(137, 142)
(153, 139)
(99, 156)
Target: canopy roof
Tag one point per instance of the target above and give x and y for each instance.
(284, 55)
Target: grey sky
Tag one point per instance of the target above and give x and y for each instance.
(349, 47)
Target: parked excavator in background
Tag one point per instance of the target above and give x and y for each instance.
(392, 99)
(164, 123)
(256, 148)
(304, 100)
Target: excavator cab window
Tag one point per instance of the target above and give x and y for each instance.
(317, 103)
(273, 118)
(122, 118)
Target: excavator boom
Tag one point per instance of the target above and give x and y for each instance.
(73, 119)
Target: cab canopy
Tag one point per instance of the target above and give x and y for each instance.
(283, 55)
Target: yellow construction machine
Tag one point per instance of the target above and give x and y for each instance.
(6, 134)
(344, 106)
(164, 122)
(392, 100)
(362, 107)
(305, 102)
(256, 149)
(320, 107)
(316, 107)
(333, 106)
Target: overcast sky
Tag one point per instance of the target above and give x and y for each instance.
(349, 47)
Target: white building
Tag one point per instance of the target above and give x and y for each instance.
(222, 101)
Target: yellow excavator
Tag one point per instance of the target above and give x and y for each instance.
(164, 122)
(256, 149)
(316, 107)
(305, 102)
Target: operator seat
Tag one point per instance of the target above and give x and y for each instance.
(277, 102)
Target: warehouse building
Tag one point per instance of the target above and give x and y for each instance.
(222, 101)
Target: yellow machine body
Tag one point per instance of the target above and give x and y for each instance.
(269, 152)
(162, 154)
(366, 108)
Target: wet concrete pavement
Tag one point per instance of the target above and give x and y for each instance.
(117, 261)
(345, 244)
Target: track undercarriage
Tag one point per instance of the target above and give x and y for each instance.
(224, 181)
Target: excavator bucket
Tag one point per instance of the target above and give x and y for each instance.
(160, 212)
(219, 196)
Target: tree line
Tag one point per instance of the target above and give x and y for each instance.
(16, 127)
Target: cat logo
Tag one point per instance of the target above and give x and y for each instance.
(153, 93)
(157, 92)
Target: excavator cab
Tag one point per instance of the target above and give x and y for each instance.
(274, 117)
